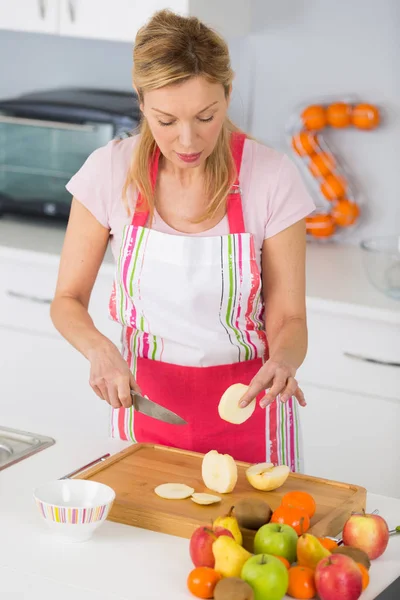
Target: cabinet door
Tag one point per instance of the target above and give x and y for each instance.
(29, 15)
(117, 20)
(44, 387)
(352, 438)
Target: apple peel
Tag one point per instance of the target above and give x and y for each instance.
(174, 491)
(228, 407)
(205, 499)
(267, 477)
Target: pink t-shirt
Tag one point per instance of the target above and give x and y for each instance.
(274, 195)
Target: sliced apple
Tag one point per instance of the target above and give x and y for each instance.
(266, 477)
(219, 472)
(200, 498)
(228, 407)
(174, 491)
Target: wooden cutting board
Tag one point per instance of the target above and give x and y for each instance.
(137, 470)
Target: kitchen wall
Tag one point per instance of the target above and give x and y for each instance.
(300, 50)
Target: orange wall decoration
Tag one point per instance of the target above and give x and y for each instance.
(338, 207)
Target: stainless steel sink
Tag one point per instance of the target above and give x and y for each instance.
(17, 445)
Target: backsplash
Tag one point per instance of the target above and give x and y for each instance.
(299, 51)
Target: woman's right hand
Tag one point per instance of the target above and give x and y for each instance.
(110, 376)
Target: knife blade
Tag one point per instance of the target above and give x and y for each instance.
(156, 411)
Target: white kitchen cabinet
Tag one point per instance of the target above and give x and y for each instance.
(30, 15)
(352, 438)
(120, 19)
(56, 379)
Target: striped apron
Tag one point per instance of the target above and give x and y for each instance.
(193, 324)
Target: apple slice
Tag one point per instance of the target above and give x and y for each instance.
(266, 477)
(228, 407)
(205, 498)
(219, 472)
(174, 491)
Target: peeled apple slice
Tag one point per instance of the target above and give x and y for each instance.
(266, 477)
(174, 491)
(205, 498)
(229, 409)
(219, 472)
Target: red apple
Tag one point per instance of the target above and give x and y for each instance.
(367, 532)
(201, 542)
(338, 576)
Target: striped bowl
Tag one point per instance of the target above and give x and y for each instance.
(72, 508)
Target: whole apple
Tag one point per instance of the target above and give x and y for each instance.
(367, 532)
(200, 546)
(277, 539)
(267, 575)
(338, 576)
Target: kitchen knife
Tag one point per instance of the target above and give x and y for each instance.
(156, 411)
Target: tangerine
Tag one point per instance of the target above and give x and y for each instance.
(321, 164)
(320, 226)
(314, 117)
(364, 575)
(328, 543)
(301, 583)
(284, 561)
(333, 187)
(201, 582)
(301, 500)
(365, 116)
(295, 517)
(345, 212)
(305, 143)
(338, 114)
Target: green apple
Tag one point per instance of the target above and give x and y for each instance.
(267, 576)
(276, 539)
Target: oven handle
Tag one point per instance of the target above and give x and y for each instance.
(43, 123)
(376, 361)
(29, 298)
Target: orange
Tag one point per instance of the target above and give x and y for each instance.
(345, 212)
(321, 164)
(284, 561)
(364, 574)
(365, 116)
(301, 583)
(328, 543)
(338, 114)
(320, 226)
(301, 500)
(314, 117)
(333, 187)
(296, 518)
(305, 143)
(202, 581)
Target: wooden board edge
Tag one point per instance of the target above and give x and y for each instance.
(332, 524)
(114, 458)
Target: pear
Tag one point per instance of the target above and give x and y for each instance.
(229, 556)
(310, 551)
(219, 472)
(230, 523)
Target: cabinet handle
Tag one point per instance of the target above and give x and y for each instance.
(72, 10)
(42, 9)
(36, 299)
(376, 361)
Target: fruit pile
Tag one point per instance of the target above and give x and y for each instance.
(286, 559)
(328, 178)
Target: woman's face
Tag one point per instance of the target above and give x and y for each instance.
(186, 119)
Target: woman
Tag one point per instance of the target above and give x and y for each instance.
(196, 212)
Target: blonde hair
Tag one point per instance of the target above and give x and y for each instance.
(171, 49)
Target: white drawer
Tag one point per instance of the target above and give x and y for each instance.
(332, 338)
(27, 285)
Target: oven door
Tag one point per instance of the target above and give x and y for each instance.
(38, 157)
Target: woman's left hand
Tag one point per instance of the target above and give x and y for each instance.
(277, 378)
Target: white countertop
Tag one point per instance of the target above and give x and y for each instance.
(113, 565)
(336, 278)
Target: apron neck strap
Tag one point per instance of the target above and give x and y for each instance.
(234, 200)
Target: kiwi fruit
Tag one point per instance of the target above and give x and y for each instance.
(252, 513)
(354, 553)
(233, 588)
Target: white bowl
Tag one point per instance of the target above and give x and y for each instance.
(74, 509)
